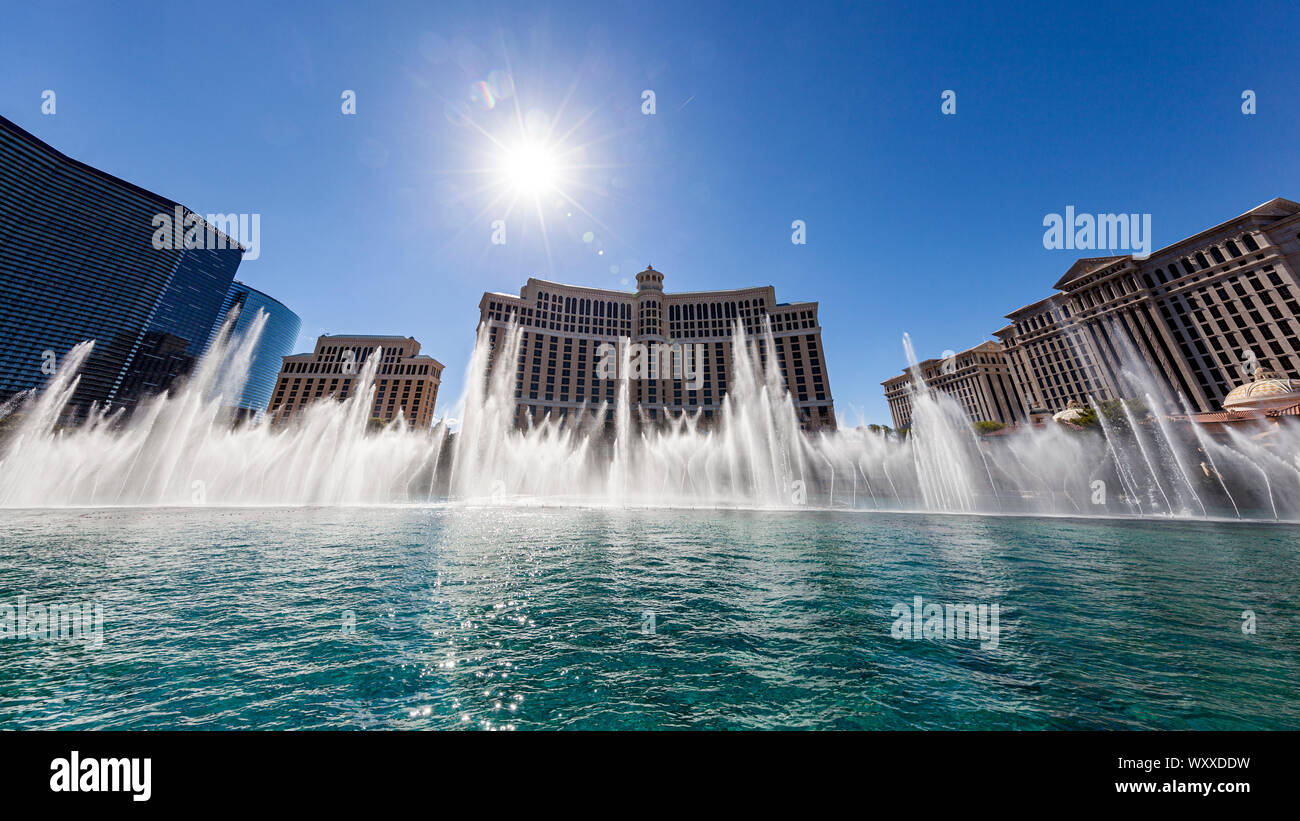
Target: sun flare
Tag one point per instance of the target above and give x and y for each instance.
(531, 169)
(536, 171)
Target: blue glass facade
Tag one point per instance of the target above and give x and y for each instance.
(78, 262)
(277, 341)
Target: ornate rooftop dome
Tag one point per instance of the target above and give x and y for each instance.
(650, 280)
(1268, 391)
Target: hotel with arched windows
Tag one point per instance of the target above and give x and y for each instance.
(1200, 316)
(564, 327)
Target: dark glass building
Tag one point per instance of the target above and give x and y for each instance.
(78, 262)
(277, 341)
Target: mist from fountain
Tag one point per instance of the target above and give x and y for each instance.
(182, 448)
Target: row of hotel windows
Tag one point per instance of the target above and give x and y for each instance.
(713, 328)
(287, 394)
(1208, 373)
(1185, 266)
(340, 387)
(334, 353)
(1066, 363)
(320, 367)
(1104, 294)
(584, 306)
(1052, 315)
(1244, 316)
(1063, 379)
(1064, 348)
(1107, 293)
(581, 390)
(649, 323)
(1062, 367)
(1201, 263)
(581, 306)
(937, 371)
(974, 400)
(610, 319)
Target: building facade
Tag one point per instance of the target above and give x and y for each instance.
(1193, 320)
(1203, 313)
(979, 378)
(406, 381)
(279, 334)
(568, 332)
(79, 263)
(1052, 357)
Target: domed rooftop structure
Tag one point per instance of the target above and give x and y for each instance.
(1268, 391)
(650, 280)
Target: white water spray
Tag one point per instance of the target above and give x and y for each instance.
(181, 448)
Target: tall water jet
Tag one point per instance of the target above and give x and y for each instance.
(938, 443)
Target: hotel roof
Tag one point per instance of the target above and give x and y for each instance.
(553, 283)
(1085, 266)
(1033, 307)
(367, 336)
(985, 346)
(535, 281)
(1277, 207)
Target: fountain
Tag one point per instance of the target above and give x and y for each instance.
(181, 448)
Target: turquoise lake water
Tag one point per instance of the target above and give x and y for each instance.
(534, 617)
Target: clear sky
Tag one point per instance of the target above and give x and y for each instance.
(766, 113)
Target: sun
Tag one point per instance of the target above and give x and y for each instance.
(538, 167)
(531, 168)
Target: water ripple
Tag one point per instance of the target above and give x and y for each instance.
(507, 618)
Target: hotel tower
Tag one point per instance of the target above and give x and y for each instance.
(568, 332)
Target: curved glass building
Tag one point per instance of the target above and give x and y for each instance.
(277, 341)
(81, 261)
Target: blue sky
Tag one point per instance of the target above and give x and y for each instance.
(916, 221)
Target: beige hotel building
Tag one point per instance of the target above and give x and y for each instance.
(564, 326)
(1199, 315)
(979, 378)
(406, 381)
